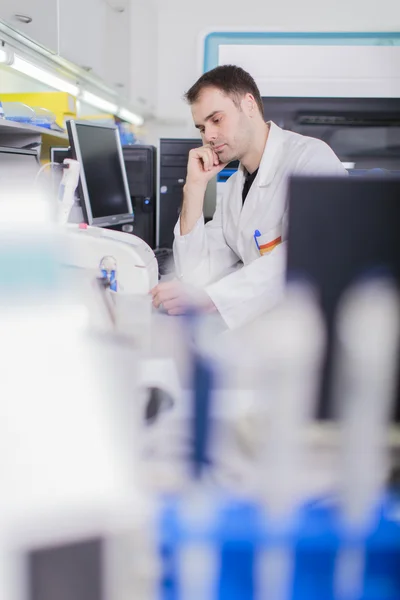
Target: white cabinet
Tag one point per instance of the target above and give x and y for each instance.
(83, 33)
(36, 19)
(143, 73)
(95, 34)
(117, 53)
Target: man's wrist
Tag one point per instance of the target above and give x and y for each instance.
(194, 188)
(192, 209)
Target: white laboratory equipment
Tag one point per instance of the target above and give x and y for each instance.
(70, 409)
(124, 267)
(69, 183)
(134, 262)
(134, 265)
(125, 263)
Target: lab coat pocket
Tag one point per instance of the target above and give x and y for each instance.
(270, 240)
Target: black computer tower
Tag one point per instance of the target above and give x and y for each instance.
(140, 164)
(173, 168)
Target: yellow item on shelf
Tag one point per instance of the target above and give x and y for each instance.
(100, 119)
(63, 105)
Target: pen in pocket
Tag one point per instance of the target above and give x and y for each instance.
(267, 246)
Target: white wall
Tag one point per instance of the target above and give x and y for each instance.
(180, 23)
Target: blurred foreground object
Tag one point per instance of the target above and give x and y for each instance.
(275, 539)
(70, 410)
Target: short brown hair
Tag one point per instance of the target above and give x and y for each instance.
(233, 81)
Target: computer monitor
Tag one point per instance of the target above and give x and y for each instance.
(59, 154)
(364, 132)
(341, 229)
(18, 168)
(103, 187)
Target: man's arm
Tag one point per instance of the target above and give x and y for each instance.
(252, 290)
(192, 207)
(239, 297)
(200, 251)
(177, 297)
(203, 165)
(203, 256)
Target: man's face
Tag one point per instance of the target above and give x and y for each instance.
(222, 124)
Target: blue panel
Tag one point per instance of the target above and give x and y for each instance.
(216, 39)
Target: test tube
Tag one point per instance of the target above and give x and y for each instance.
(292, 343)
(367, 356)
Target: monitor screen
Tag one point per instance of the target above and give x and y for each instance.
(340, 229)
(58, 155)
(104, 187)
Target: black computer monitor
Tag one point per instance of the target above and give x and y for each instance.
(341, 229)
(103, 190)
(362, 131)
(59, 154)
(18, 168)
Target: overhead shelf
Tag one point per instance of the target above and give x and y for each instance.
(22, 135)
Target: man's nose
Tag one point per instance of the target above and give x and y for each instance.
(210, 134)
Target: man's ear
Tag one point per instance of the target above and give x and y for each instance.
(249, 104)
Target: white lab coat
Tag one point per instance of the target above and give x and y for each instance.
(222, 256)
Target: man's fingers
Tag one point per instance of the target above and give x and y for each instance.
(166, 285)
(165, 295)
(206, 159)
(207, 156)
(212, 157)
(156, 301)
(179, 310)
(170, 303)
(174, 303)
(159, 299)
(175, 297)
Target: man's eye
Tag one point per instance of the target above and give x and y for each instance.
(216, 120)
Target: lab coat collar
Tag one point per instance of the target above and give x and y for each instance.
(267, 169)
(270, 157)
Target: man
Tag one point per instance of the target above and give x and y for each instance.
(235, 264)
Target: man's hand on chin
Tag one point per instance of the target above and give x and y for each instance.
(177, 297)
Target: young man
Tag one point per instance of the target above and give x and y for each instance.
(236, 263)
